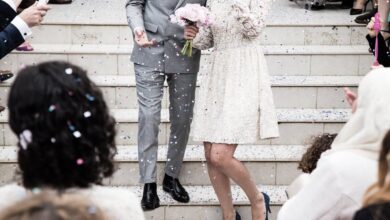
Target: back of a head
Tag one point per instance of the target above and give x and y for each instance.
(49, 205)
(66, 134)
(320, 144)
(380, 191)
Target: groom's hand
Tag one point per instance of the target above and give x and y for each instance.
(142, 39)
(190, 32)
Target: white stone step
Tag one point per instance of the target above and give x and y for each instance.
(282, 60)
(276, 81)
(284, 115)
(98, 23)
(319, 91)
(84, 34)
(195, 153)
(272, 165)
(205, 195)
(296, 126)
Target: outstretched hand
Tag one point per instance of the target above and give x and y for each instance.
(351, 98)
(142, 39)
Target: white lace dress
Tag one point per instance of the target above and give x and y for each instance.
(235, 102)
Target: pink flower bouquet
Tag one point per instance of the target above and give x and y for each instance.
(192, 14)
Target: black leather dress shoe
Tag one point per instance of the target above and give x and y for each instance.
(175, 189)
(5, 74)
(150, 200)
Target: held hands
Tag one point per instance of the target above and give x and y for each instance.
(33, 16)
(142, 39)
(190, 32)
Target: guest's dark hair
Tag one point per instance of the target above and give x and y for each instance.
(66, 134)
(320, 144)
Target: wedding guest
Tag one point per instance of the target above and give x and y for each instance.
(235, 102)
(359, 7)
(309, 161)
(26, 46)
(383, 47)
(48, 205)
(16, 29)
(66, 139)
(377, 199)
(344, 173)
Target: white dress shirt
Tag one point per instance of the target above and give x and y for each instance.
(18, 22)
(335, 190)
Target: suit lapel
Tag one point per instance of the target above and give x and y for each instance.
(181, 2)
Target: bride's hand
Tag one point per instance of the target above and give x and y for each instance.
(190, 32)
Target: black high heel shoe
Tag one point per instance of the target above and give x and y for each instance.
(366, 18)
(359, 11)
(267, 202)
(238, 216)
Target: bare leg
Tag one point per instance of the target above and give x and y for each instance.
(221, 185)
(383, 9)
(222, 157)
(359, 4)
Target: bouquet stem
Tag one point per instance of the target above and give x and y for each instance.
(187, 49)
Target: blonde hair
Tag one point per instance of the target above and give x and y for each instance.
(380, 191)
(49, 205)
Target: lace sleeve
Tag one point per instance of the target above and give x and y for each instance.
(252, 17)
(204, 40)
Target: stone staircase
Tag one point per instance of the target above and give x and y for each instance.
(311, 56)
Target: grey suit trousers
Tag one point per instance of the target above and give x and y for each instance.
(150, 89)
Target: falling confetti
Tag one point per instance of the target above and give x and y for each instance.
(77, 134)
(87, 114)
(80, 161)
(52, 108)
(69, 71)
(90, 97)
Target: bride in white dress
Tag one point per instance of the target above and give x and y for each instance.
(235, 102)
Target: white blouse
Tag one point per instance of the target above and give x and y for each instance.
(335, 189)
(116, 203)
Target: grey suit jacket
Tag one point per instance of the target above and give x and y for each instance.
(153, 16)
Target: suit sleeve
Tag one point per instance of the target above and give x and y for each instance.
(174, 31)
(134, 12)
(10, 38)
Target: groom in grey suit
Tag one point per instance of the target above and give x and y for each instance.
(156, 56)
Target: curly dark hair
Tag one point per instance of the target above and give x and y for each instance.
(320, 144)
(66, 134)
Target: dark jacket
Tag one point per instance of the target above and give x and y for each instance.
(384, 53)
(10, 36)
